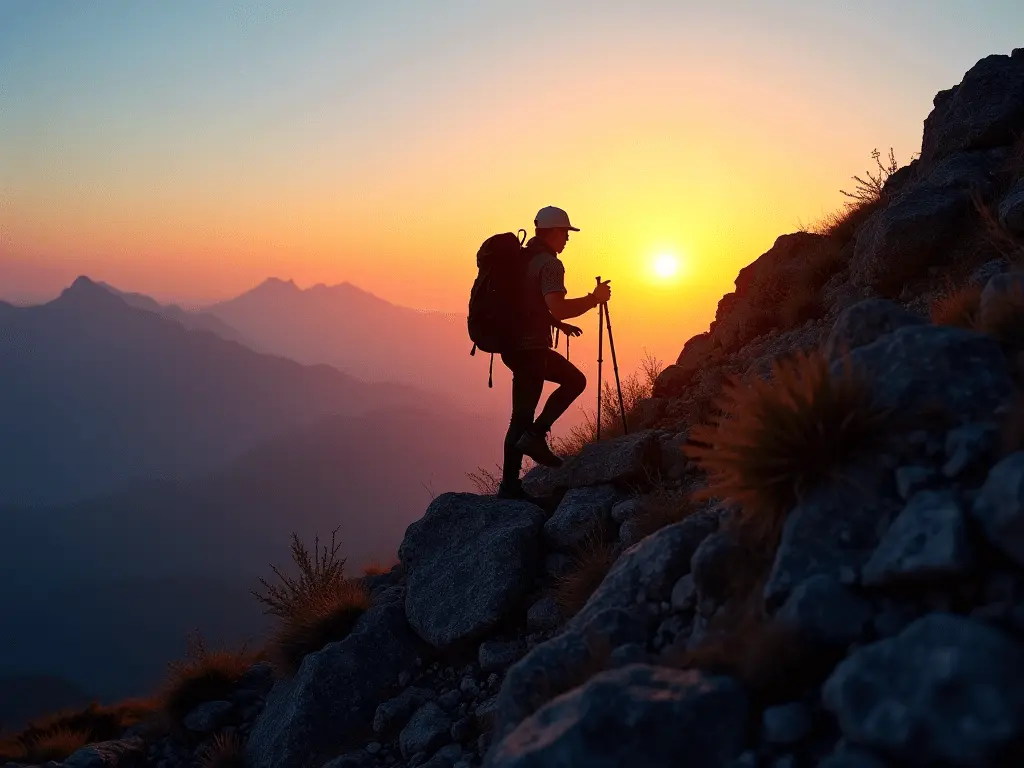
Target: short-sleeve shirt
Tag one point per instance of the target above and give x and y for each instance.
(545, 274)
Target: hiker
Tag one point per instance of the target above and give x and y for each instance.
(533, 360)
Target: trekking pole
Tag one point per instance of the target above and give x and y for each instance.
(615, 365)
(600, 358)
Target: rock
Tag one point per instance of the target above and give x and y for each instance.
(865, 322)
(635, 715)
(835, 527)
(469, 688)
(485, 712)
(991, 310)
(618, 461)
(672, 381)
(373, 747)
(208, 717)
(557, 564)
(1011, 209)
(334, 694)
(450, 700)
(468, 560)
(630, 653)
(428, 730)
(358, 759)
(496, 656)
(630, 532)
(927, 542)
(917, 225)
(714, 564)
(910, 480)
(822, 610)
(963, 372)
(999, 507)
(944, 691)
(624, 510)
(962, 170)
(655, 564)
(684, 593)
(786, 724)
(117, 753)
(565, 661)
(543, 615)
(984, 273)
(446, 757)
(852, 757)
(394, 713)
(582, 513)
(462, 729)
(985, 110)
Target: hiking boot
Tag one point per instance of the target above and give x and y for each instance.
(513, 491)
(536, 447)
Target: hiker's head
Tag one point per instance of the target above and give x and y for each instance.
(553, 227)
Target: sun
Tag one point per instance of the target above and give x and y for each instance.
(666, 265)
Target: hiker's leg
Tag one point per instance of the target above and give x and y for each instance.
(571, 383)
(527, 368)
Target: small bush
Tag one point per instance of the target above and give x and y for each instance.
(226, 751)
(590, 564)
(321, 577)
(55, 744)
(843, 224)
(485, 481)
(957, 307)
(778, 438)
(318, 624)
(203, 675)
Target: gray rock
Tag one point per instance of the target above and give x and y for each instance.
(944, 691)
(852, 757)
(468, 561)
(1011, 209)
(565, 661)
(984, 273)
(993, 296)
(926, 542)
(393, 594)
(429, 729)
(963, 170)
(822, 610)
(394, 713)
(557, 564)
(630, 653)
(999, 506)
(208, 717)
(446, 757)
(358, 759)
(910, 480)
(582, 513)
(786, 724)
(486, 711)
(635, 715)
(684, 593)
(836, 526)
(624, 510)
(630, 532)
(450, 700)
(462, 729)
(618, 461)
(469, 688)
(985, 110)
(963, 372)
(496, 656)
(543, 615)
(334, 695)
(653, 565)
(713, 566)
(117, 753)
(865, 322)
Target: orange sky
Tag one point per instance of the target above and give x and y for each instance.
(382, 147)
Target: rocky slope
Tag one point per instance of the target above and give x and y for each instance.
(889, 619)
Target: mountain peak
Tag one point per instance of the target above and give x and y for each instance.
(85, 292)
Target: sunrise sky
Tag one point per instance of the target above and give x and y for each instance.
(190, 149)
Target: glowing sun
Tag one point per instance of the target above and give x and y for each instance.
(666, 265)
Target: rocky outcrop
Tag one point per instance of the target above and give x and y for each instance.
(620, 461)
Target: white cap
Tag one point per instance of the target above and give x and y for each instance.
(550, 217)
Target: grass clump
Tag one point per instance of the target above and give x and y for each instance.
(203, 675)
(56, 743)
(226, 751)
(957, 307)
(590, 564)
(776, 439)
(316, 607)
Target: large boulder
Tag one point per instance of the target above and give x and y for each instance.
(619, 461)
(1011, 209)
(635, 715)
(999, 507)
(866, 322)
(985, 110)
(652, 567)
(821, 610)
(945, 691)
(334, 695)
(469, 561)
(582, 513)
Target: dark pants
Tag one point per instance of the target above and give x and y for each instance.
(530, 369)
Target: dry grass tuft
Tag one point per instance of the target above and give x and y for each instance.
(226, 751)
(56, 744)
(998, 237)
(203, 675)
(777, 439)
(321, 576)
(376, 568)
(659, 508)
(486, 481)
(590, 564)
(957, 307)
(843, 224)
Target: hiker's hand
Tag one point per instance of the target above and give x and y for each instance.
(569, 330)
(603, 292)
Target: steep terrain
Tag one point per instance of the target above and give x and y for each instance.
(840, 583)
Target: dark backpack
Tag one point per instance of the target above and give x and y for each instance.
(496, 311)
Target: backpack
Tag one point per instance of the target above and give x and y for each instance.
(495, 320)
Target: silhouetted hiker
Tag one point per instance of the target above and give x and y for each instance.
(521, 332)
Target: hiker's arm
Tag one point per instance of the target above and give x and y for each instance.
(562, 308)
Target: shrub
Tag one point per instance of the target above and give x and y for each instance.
(778, 438)
(485, 481)
(957, 307)
(226, 751)
(319, 623)
(321, 576)
(55, 744)
(203, 675)
(590, 564)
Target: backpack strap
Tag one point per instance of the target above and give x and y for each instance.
(490, 373)
(472, 352)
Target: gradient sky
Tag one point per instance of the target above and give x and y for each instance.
(189, 149)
